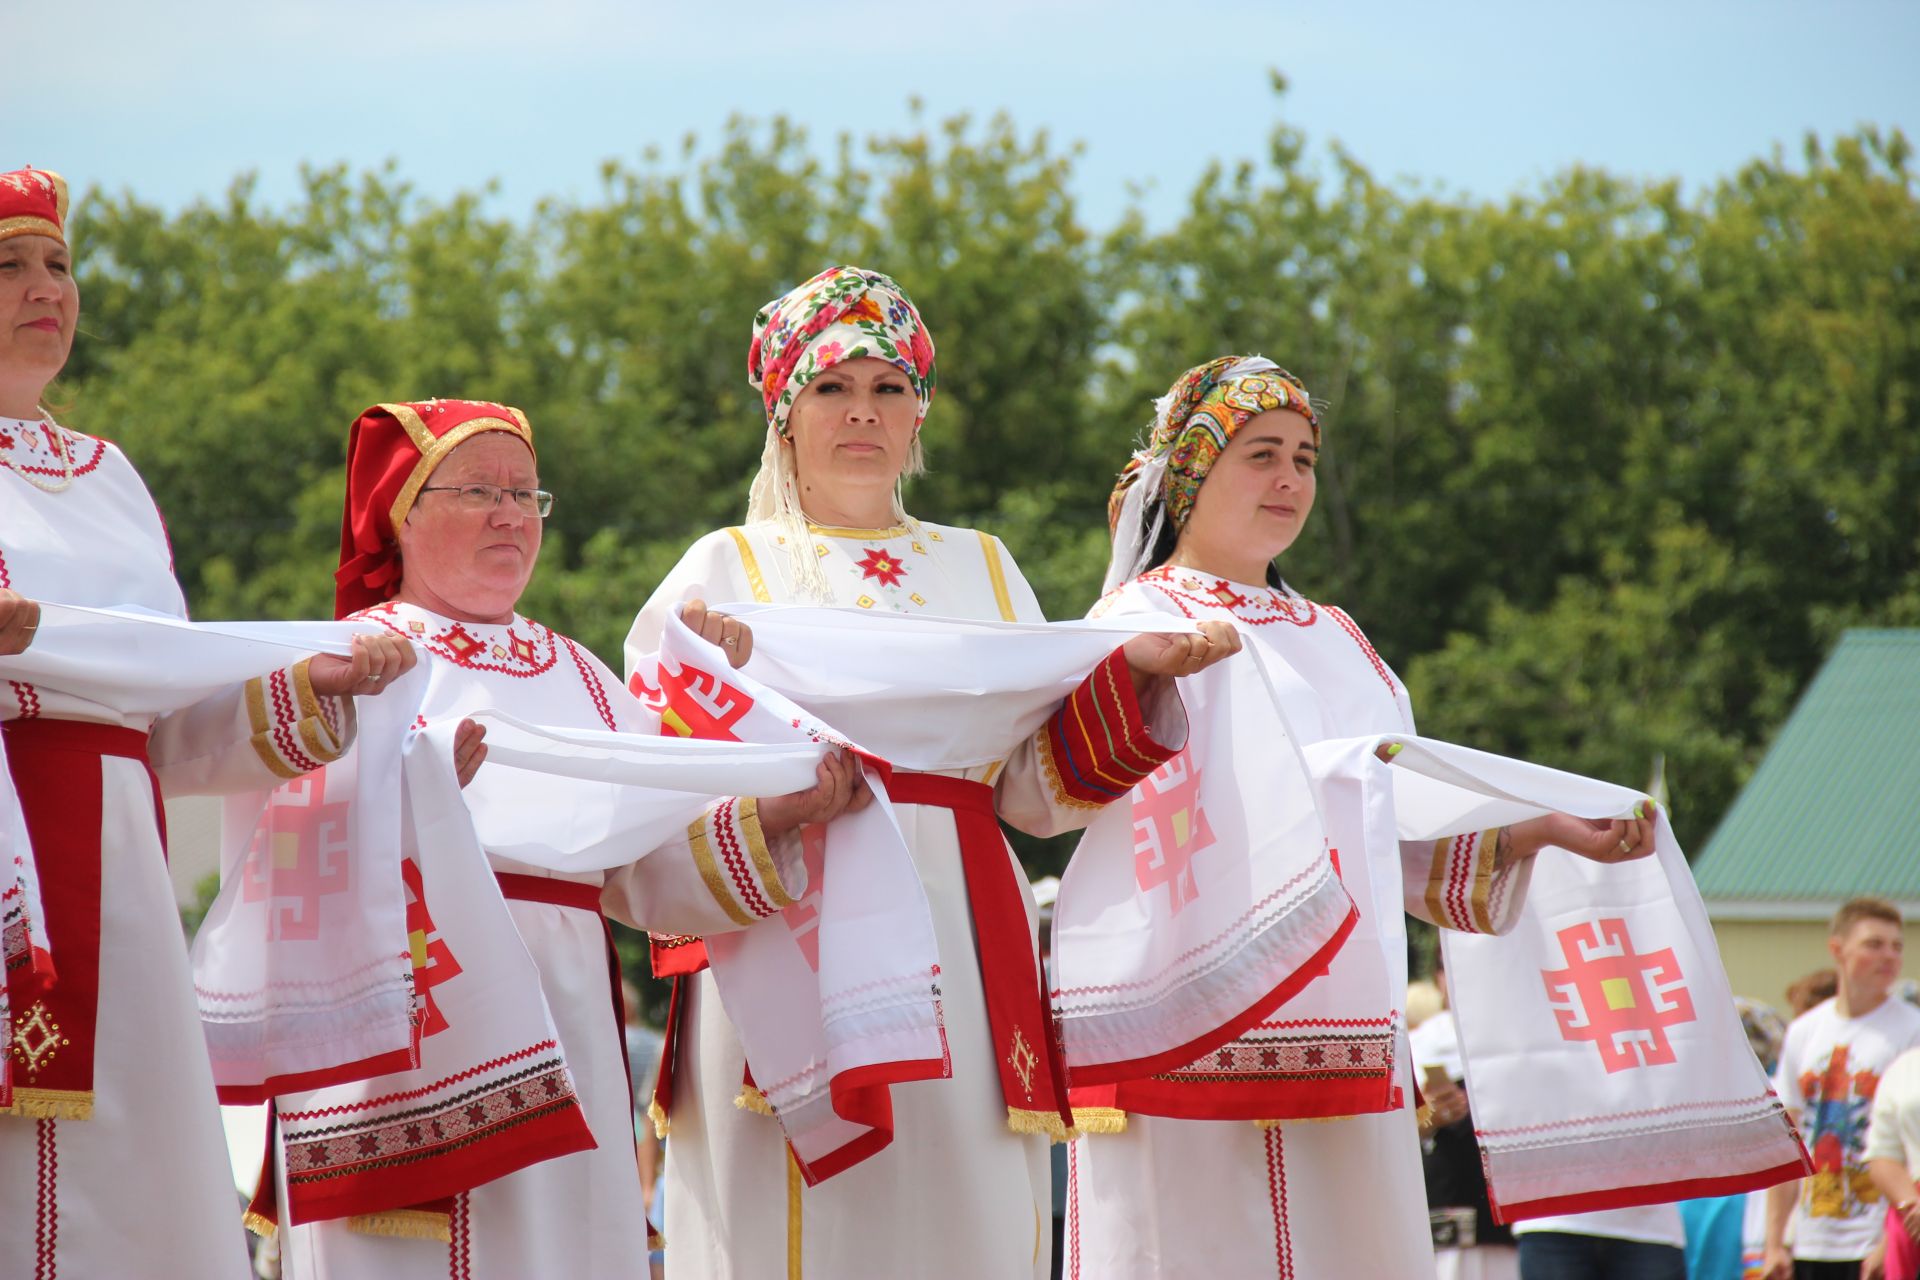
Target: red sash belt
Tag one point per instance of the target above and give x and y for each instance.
(561, 893)
(1025, 1040)
(56, 771)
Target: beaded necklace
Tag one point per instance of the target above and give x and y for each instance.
(57, 441)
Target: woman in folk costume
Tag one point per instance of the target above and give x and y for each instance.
(440, 536)
(845, 367)
(1223, 486)
(111, 1155)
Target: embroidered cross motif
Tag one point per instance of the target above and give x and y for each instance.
(433, 962)
(695, 703)
(1023, 1060)
(879, 565)
(1225, 594)
(299, 855)
(1620, 1000)
(1169, 828)
(37, 1038)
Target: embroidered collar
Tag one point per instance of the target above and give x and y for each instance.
(521, 647)
(1254, 605)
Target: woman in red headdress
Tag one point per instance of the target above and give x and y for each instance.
(441, 532)
(111, 1155)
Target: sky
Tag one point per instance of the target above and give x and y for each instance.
(1484, 99)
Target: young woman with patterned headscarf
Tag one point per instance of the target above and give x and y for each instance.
(845, 368)
(1212, 1166)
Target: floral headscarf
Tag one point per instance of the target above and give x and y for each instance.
(844, 313)
(1191, 425)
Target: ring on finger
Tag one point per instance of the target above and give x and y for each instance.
(1625, 846)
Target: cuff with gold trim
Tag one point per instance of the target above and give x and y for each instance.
(1467, 889)
(294, 730)
(740, 870)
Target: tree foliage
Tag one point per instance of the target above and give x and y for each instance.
(1608, 466)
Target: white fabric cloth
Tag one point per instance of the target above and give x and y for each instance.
(1893, 1130)
(858, 1008)
(1646, 1223)
(142, 1186)
(1610, 992)
(1436, 1043)
(1204, 896)
(956, 1193)
(1830, 1070)
(562, 803)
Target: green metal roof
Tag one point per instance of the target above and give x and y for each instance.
(1834, 809)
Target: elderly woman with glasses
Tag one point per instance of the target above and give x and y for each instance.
(440, 536)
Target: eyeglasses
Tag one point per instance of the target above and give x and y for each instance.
(485, 497)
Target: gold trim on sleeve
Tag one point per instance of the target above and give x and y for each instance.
(1480, 905)
(710, 872)
(990, 548)
(320, 741)
(262, 741)
(762, 856)
(303, 688)
(756, 582)
(1437, 881)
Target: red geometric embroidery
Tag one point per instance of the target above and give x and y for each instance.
(1169, 828)
(520, 657)
(595, 689)
(1226, 595)
(881, 566)
(300, 854)
(433, 962)
(1352, 628)
(695, 703)
(1622, 1001)
(460, 643)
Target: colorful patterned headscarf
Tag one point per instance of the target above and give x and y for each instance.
(1191, 426)
(844, 313)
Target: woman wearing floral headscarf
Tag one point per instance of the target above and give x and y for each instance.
(1222, 487)
(845, 368)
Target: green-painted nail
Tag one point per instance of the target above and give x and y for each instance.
(1640, 810)
(1393, 748)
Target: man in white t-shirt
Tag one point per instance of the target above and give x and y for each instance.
(1832, 1061)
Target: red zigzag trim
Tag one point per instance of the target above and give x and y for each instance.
(46, 1209)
